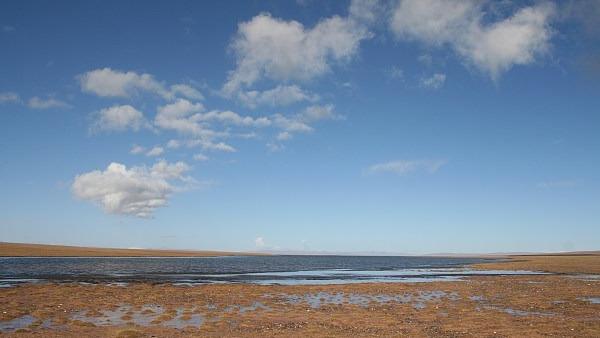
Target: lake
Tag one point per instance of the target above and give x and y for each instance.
(239, 269)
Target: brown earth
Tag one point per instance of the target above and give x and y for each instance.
(44, 250)
(557, 263)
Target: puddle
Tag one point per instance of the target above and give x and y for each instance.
(148, 315)
(316, 300)
(592, 300)
(17, 323)
(182, 320)
(519, 313)
(586, 278)
(477, 298)
(243, 309)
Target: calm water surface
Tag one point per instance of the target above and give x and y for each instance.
(250, 269)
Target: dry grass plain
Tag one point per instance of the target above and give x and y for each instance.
(43, 250)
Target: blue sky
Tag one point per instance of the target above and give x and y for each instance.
(390, 126)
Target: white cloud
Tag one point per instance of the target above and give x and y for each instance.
(291, 124)
(114, 83)
(156, 151)
(301, 122)
(434, 21)
(282, 95)
(168, 170)
(286, 50)
(186, 118)
(284, 136)
(210, 145)
(9, 97)
(403, 167)
(229, 117)
(200, 157)
(137, 191)
(436, 81)
(40, 103)
(186, 91)
(136, 149)
(173, 144)
(181, 116)
(259, 242)
(367, 11)
(119, 118)
(319, 112)
(491, 47)
(107, 82)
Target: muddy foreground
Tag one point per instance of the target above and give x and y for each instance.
(564, 305)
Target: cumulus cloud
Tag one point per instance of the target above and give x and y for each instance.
(404, 167)
(41, 103)
(181, 116)
(435, 81)
(137, 191)
(268, 47)
(492, 47)
(189, 119)
(119, 118)
(107, 82)
(9, 97)
(282, 95)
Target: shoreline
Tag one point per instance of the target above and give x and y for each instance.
(14, 250)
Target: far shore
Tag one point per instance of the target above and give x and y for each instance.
(46, 250)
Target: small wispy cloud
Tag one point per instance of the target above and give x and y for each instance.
(259, 242)
(156, 151)
(436, 81)
(9, 97)
(396, 73)
(37, 102)
(201, 157)
(559, 184)
(404, 167)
